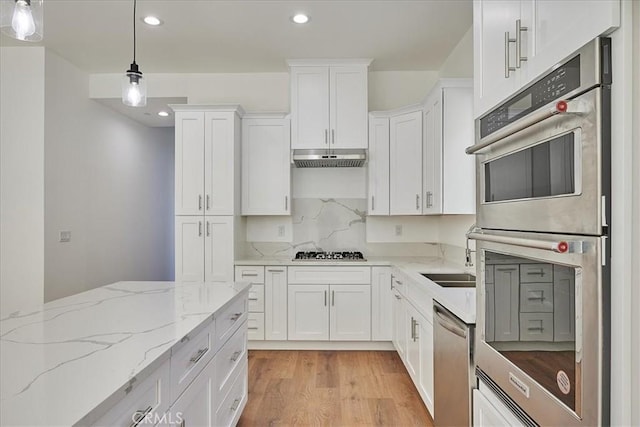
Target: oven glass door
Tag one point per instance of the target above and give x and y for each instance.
(530, 319)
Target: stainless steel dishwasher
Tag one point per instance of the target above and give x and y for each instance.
(452, 367)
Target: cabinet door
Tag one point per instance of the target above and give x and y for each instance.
(266, 167)
(399, 325)
(218, 249)
(309, 107)
(189, 172)
(196, 406)
(491, 20)
(485, 414)
(489, 312)
(189, 255)
(350, 313)
(219, 162)
(406, 164)
(275, 303)
(507, 297)
(556, 37)
(432, 160)
(308, 307)
(424, 330)
(378, 166)
(381, 304)
(412, 359)
(564, 303)
(348, 106)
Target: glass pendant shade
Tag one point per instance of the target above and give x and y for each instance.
(22, 19)
(134, 88)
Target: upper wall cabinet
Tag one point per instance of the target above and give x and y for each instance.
(206, 173)
(378, 164)
(516, 41)
(266, 165)
(405, 166)
(329, 104)
(448, 173)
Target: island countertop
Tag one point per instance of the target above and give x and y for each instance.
(62, 361)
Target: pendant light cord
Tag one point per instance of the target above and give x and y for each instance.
(134, 31)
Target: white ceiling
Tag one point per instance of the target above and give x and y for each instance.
(211, 36)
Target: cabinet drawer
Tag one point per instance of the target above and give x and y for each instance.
(250, 273)
(256, 298)
(536, 326)
(327, 275)
(229, 319)
(230, 359)
(150, 397)
(536, 297)
(193, 353)
(399, 283)
(234, 402)
(536, 273)
(255, 327)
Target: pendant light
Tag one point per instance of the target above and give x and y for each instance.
(134, 86)
(22, 19)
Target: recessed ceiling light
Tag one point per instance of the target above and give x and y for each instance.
(152, 20)
(163, 114)
(300, 18)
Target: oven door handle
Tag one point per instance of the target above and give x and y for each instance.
(560, 107)
(561, 246)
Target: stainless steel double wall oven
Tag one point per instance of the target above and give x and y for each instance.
(543, 176)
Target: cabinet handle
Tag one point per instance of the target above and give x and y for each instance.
(139, 416)
(276, 270)
(235, 355)
(399, 282)
(535, 298)
(519, 30)
(333, 136)
(286, 203)
(373, 203)
(208, 202)
(199, 202)
(506, 269)
(183, 423)
(333, 298)
(415, 331)
(253, 328)
(392, 280)
(249, 274)
(536, 273)
(429, 199)
(253, 299)
(537, 328)
(417, 202)
(235, 405)
(208, 231)
(199, 228)
(199, 355)
(397, 296)
(325, 298)
(326, 136)
(236, 316)
(507, 67)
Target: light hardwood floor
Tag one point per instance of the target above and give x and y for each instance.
(339, 388)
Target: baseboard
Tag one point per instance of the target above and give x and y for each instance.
(321, 345)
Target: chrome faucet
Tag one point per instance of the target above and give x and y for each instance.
(467, 252)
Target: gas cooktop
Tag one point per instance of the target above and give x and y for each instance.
(329, 256)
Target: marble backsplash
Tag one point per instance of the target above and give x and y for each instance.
(331, 225)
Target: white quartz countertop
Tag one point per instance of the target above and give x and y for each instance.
(460, 301)
(61, 361)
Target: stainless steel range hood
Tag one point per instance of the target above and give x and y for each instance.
(336, 158)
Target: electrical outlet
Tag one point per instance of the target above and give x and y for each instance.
(281, 231)
(65, 236)
(399, 230)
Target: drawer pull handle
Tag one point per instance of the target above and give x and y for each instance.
(139, 416)
(399, 282)
(199, 355)
(253, 328)
(253, 299)
(236, 316)
(235, 355)
(276, 270)
(235, 405)
(537, 328)
(535, 298)
(398, 296)
(249, 274)
(536, 273)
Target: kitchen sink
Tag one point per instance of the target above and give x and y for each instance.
(454, 280)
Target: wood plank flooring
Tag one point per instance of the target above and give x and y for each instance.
(338, 388)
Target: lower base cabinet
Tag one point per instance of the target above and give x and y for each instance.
(489, 412)
(195, 407)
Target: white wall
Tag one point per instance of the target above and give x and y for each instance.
(459, 63)
(109, 181)
(21, 178)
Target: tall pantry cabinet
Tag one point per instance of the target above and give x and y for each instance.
(207, 191)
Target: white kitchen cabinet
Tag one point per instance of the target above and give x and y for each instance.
(399, 324)
(204, 248)
(378, 165)
(448, 173)
(564, 303)
(275, 303)
(489, 303)
(207, 161)
(546, 37)
(350, 313)
(196, 406)
(424, 336)
(405, 169)
(489, 411)
(329, 104)
(507, 298)
(412, 357)
(266, 165)
(381, 304)
(308, 308)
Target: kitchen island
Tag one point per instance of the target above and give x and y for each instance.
(118, 353)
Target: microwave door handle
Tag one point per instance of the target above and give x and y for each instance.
(561, 246)
(560, 107)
